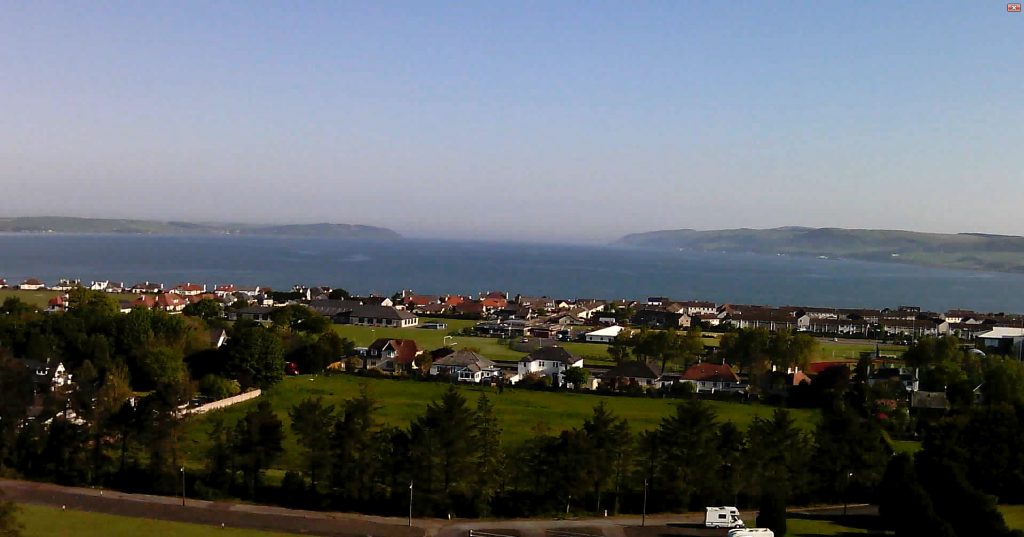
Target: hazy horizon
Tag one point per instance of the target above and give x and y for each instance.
(529, 121)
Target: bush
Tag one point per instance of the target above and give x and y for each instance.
(218, 387)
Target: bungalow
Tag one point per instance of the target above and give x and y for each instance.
(31, 284)
(712, 378)
(466, 366)
(469, 307)
(454, 300)
(658, 317)
(392, 355)
(634, 373)
(147, 287)
(415, 301)
(260, 314)
(106, 286)
(548, 362)
(535, 303)
(369, 315)
(604, 335)
(490, 303)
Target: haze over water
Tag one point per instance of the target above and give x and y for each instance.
(430, 266)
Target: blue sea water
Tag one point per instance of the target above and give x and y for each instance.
(433, 266)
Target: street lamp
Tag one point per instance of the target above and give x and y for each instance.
(410, 503)
(846, 492)
(183, 486)
(643, 517)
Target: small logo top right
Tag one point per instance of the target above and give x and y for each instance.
(1013, 8)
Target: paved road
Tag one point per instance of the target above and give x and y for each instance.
(329, 524)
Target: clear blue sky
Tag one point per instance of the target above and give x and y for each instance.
(530, 120)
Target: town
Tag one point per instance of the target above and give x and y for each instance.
(745, 405)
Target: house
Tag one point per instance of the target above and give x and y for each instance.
(548, 362)
(466, 366)
(469, 307)
(65, 285)
(535, 303)
(146, 287)
(3, 283)
(260, 314)
(415, 301)
(769, 318)
(907, 377)
(491, 303)
(189, 289)
(658, 317)
(107, 286)
(225, 289)
(634, 373)
(369, 315)
(514, 311)
(604, 335)
(913, 327)
(49, 375)
(392, 355)
(699, 307)
(171, 302)
(712, 378)
(218, 337)
(31, 284)
(454, 300)
(57, 304)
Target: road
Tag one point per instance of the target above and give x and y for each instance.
(330, 524)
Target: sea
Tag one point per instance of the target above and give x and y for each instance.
(467, 267)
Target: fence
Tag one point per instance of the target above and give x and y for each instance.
(223, 403)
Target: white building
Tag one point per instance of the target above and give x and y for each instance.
(547, 362)
(604, 335)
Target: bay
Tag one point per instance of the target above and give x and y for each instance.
(562, 271)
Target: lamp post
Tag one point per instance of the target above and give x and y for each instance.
(410, 503)
(183, 486)
(643, 517)
(846, 492)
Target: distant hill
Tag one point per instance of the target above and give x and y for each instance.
(61, 224)
(974, 251)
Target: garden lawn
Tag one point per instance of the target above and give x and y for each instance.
(521, 413)
(50, 522)
(38, 299)
(1013, 515)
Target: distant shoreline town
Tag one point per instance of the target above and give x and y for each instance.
(517, 315)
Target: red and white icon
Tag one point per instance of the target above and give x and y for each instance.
(1013, 8)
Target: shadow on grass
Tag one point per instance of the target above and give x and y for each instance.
(819, 525)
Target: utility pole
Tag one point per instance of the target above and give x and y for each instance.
(410, 503)
(643, 517)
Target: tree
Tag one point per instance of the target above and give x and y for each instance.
(310, 419)
(904, 505)
(488, 458)
(683, 457)
(848, 443)
(259, 438)
(255, 356)
(772, 512)
(607, 454)
(446, 434)
(206, 309)
(577, 377)
(776, 459)
(353, 466)
(618, 349)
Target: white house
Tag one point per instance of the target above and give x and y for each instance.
(465, 366)
(604, 335)
(548, 362)
(1002, 338)
(31, 284)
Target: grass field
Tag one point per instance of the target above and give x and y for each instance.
(803, 527)
(35, 298)
(49, 522)
(1013, 515)
(851, 349)
(521, 413)
(592, 353)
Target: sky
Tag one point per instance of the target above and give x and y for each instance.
(538, 121)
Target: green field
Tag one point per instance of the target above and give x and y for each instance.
(851, 349)
(520, 412)
(38, 299)
(805, 527)
(1013, 515)
(49, 521)
(592, 353)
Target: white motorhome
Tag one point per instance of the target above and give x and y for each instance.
(723, 517)
(751, 532)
